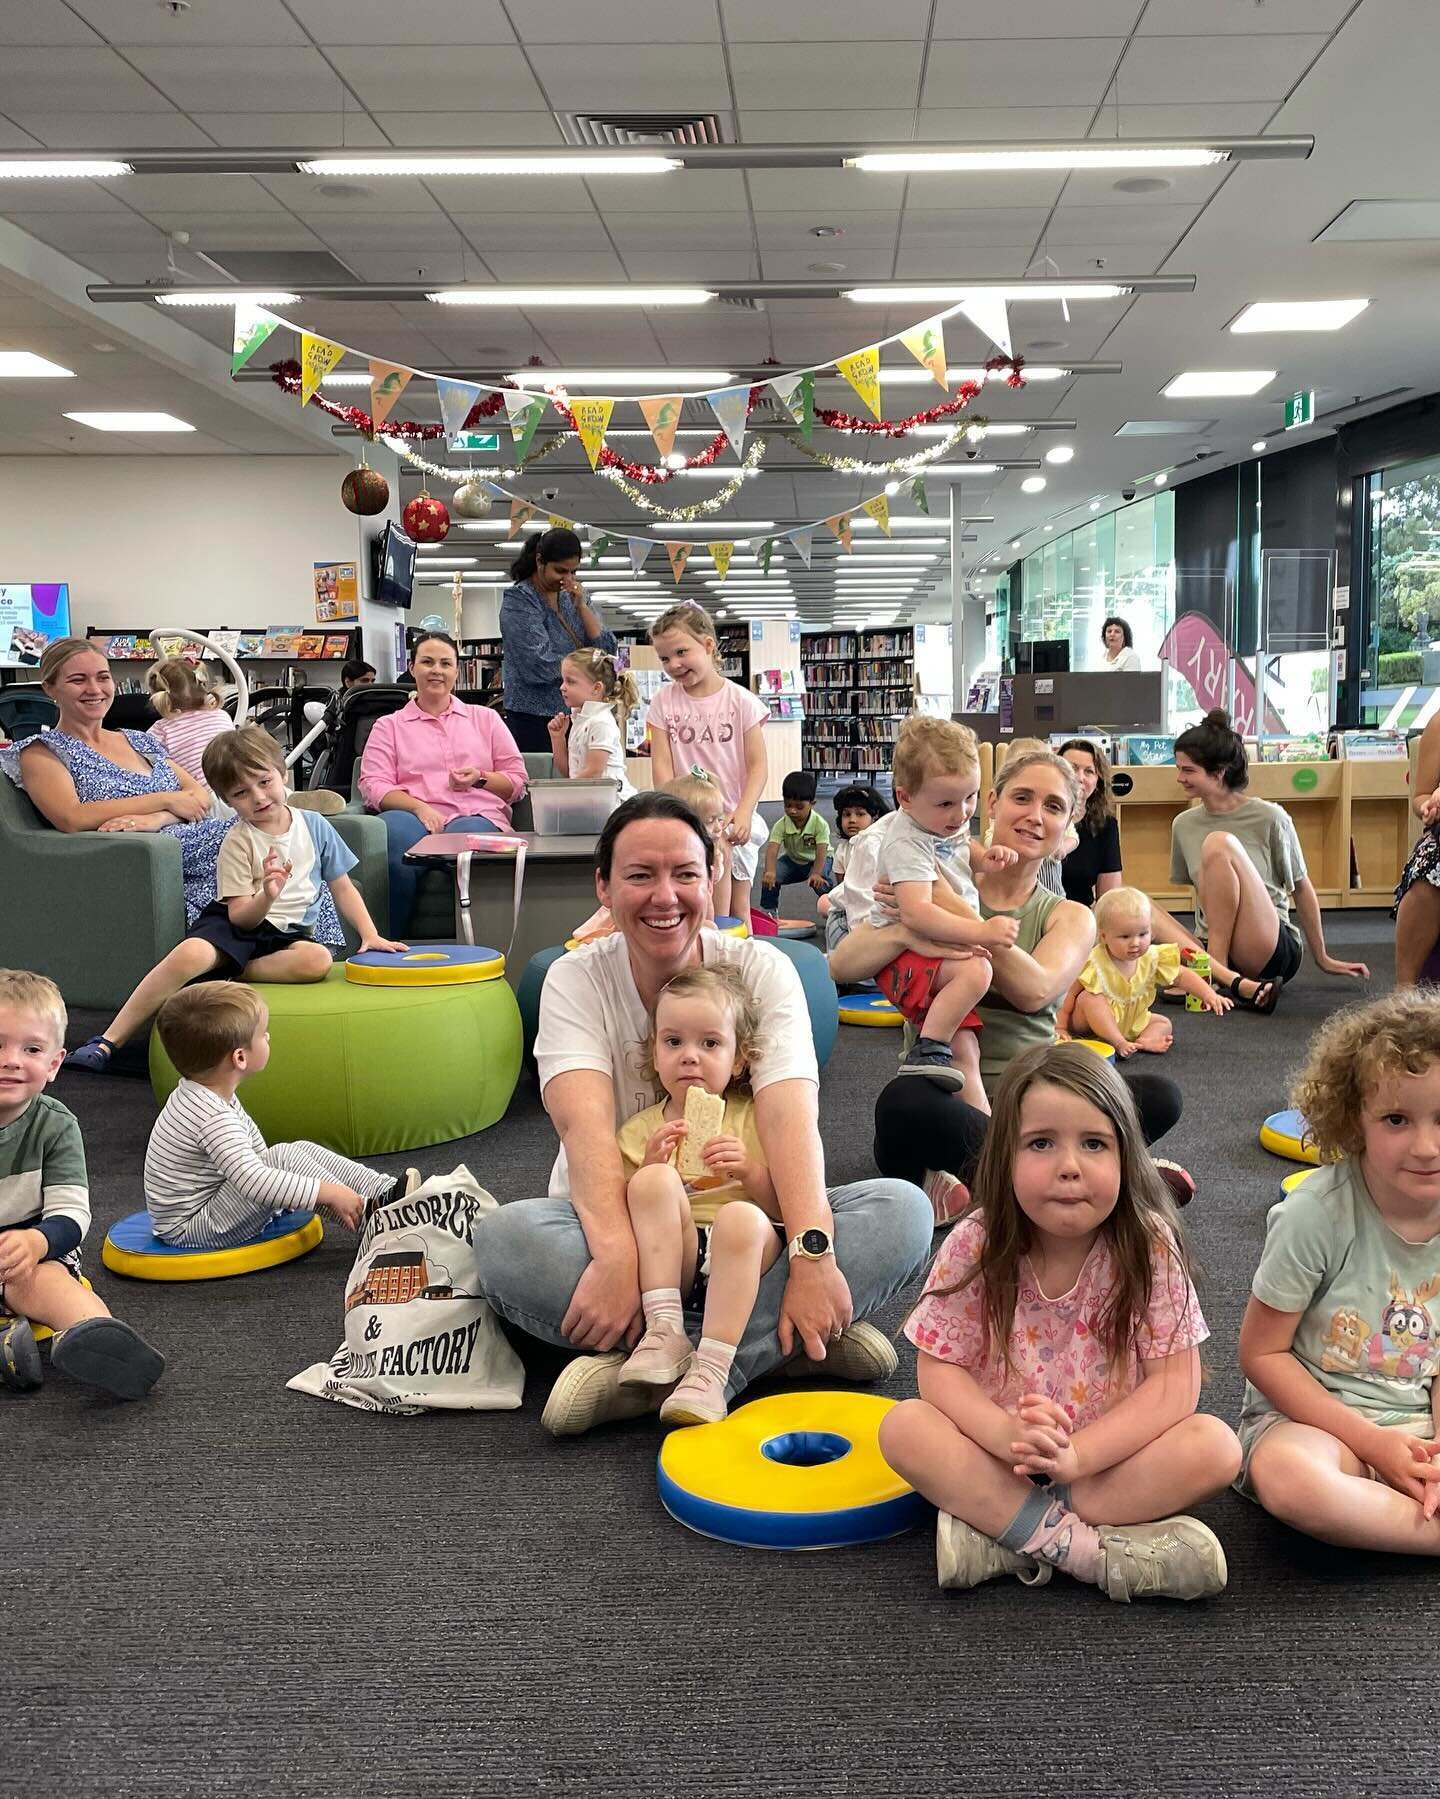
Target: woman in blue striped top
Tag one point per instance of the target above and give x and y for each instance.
(543, 616)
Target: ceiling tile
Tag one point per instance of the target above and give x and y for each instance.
(1099, 187)
(408, 79)
(293, 130)
(1218, 119)
(111, 130)
(446, 22)
(13, 138)
(830, 125)
(847, 74)
(460, 131)
(197, 194)
(74, 81)
(77, 231)
(291, 79)
(1035, 18)
(689, 191)
(378, 231)
(1216, 68)
(44, 22)
(859, 231)
(799, 265)
(826, 193)
(384, 194)
(642, 77)
(951, 234)
(691, 265)
(539, 265)
(558, 233)
(1181, 18)
(659, 231)
(1016, 124)
(1119, 224)
(1384, 221)
(981, 263)
(617, 22)
(128, 23)
(998, 191)
(60, 196)
(1022, 72)
(378, 264)
(842, 21)
(237, 231)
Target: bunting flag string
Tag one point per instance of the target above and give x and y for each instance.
(639, 548)
(804, 543)
(317, 357)
(840, 525)
(731, 405)
(598, 547)
(926, 343)
(679, 554)
(662, 414)
(592, 420)
(720, 554)
(524, 413)
(879, 510)
(252, 326)
(521, 513)
(388, 380)
(457, 400)
(862, 371)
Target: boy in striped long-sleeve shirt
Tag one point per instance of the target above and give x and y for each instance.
(210, 1181)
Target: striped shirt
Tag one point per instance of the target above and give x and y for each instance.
(203, 1147)
(185, 734)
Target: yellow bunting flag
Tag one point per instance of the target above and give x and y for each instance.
(557, 523)
(592, 419)
(662, 414)
(679, 554)
(387, 382)
(879, 510)
(317, 357)
(926, 343)
(862, 371)
(840, 525)
(720, 554)
(521, 513)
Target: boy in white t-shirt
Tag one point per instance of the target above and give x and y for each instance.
(280, 879)
(937, 784)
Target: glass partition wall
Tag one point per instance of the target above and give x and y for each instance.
(1400, 673)
(1121, 564)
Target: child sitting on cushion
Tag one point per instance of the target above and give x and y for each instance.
(210, 1182)
(1112, 995)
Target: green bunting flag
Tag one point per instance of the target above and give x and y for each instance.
(917, 494)
(598, 549)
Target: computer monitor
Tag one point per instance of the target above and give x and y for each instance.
(1047, 656)
(32, 616)
(394, 567)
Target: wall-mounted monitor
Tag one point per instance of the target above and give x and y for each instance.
(394, 567)
(32, 615)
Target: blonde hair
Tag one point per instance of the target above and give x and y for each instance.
(246, 751)
(57, 654)
(1029, 752)
(1352, 1053)
(728, 990)
(693, 620)
(699, 790)
(617, 685)
(179, 686)
(37, 996)
(1121, 902)
(201, 1025)
(932, 746)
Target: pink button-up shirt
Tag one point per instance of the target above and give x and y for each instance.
(411, 750)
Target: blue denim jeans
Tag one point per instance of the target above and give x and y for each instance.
(532, 1253)
(402, 831)
(790, 874)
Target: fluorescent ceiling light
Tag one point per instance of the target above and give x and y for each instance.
(898, 524)
(16, 365)
(1298, 315)
(636, 431)
(718, 474)
(708, 531)
(1033, 484)
(226, 296)
(1061, 453)
(898, 294)
(568, 162)
(1094, 505)
(1043, 156)
(1161, 478)
(571, 296)
(1258, 445)
(39, 168)
(129, 421)
(347, 378)
(959, 469)
(654, 381)
(1217, 384)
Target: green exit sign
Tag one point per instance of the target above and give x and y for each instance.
(475, 440)
(1300, 410)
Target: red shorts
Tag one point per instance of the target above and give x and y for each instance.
(911, 982)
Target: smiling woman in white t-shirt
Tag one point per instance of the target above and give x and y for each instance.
(564, 1268)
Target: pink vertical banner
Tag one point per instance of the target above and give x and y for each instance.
(1197, 651)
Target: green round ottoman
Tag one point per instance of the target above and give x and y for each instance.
(368, 1070)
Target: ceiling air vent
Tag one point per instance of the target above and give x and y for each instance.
(622, 130)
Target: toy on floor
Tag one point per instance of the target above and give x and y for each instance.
(796, 1471)
(1105, 1051)
(797, 929)
(867, 1008)
(1284, 1134)
(1295, 1179)
(131, 1248)
(427, 965)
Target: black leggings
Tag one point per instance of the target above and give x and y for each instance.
(917, 1127)
(530, 731)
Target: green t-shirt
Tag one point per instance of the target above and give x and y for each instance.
(1267, 835)
(1369, 1330)
(1008, 1033)
(42, 1167)
(801, 843)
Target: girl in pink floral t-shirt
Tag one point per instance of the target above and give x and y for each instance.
(1059, 1361)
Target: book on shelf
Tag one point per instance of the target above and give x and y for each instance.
(1370, 746)
(251, 645)
(229, 641)
(785, 708)
(281, 640)
(337, 646)
(310, 647)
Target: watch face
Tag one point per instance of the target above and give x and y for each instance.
(814, 1242)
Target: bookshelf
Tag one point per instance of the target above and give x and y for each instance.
(732, 652)
(269, 649)
(859, 688)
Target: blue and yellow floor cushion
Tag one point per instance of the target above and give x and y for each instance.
(797, 929)
(1283, 1134)
(40, 1332)
(427, 965)
(1105, 1051)
(732, 927)
(796, 1471)
(1296, 1178)
(867, 1008)
(131, 1249)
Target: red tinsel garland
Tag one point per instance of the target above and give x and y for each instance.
(286, 376)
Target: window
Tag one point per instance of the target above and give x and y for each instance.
(1122, 565)
(1400, 675)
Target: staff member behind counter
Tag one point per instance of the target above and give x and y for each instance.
(1121, 656)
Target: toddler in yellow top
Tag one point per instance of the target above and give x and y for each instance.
(702, 1205)
(1112, 995)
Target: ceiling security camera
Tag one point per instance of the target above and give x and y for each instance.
(1127, 493)
(550, 493)
(971, 453)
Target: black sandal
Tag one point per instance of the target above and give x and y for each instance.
(1269, 989)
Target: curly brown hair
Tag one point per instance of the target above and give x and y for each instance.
(1351, 1053)
(728, 989)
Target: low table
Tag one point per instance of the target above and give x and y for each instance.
(559, 889)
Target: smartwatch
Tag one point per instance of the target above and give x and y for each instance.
(811, 1245)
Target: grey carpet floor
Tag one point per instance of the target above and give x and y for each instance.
(230, 1589)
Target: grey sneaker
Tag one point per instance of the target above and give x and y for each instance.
(859, 1353)
(964, 1557)
(932, 1060)
(658, 1359)
(1176, 1558)
(588, 1392)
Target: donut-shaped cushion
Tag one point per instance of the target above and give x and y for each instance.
(1283, 1134)
(1296, 1179)
(796, 1471)
(867, 1008)
(40, 1332)
(131, 1248)
(729, 926)
(426, 965)
(797, 929)
(1105, 1051)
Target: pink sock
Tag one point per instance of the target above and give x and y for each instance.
(1046, 1528)
(662, 1309)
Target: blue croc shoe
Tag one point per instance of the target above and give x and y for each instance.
(94, 1054)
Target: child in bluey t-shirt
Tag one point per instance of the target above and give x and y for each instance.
(281, 877)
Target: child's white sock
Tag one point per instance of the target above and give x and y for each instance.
(662, 1309)
(1046, 1528)
(715, 1358)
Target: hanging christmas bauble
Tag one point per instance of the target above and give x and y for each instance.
(471, 500)
(426, 520)
(365, 491)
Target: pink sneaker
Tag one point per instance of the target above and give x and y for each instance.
(699, 1399)
(659, 1359)
(948, 1196)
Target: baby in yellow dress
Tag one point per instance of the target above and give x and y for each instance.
(1112, 995)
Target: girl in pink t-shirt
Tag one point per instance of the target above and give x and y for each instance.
(1059, 1361)
(699, 719)
(190, 713)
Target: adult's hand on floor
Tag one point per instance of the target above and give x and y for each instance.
(1355, 971)
(605, 1306)
(816, 1307)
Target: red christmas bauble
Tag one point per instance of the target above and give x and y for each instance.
(365, 491)
(426, 520)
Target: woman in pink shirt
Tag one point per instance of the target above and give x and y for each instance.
(437, 765)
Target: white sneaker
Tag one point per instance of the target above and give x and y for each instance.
(1175, 1558)
(964, 1557)
(860, 1353)
(588, 1392)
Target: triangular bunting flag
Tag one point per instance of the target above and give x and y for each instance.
(317, 357)
(592, 420)
(661, 413)
(926, 343)
(252, 326)
(598, 549)
(804, 542)
(840, 525)
(679, 554)
(787, 392)
(917, 494)
(388, 381)
(862, 371)
(521, 513)
(557, 523)
(989, 312)
(524, 412)
(764, 553)
(720, 554)
(807, 405)
(639, 548)
(456, 398)
(731, 405)
(879, 510)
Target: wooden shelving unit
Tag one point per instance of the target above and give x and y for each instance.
(860, 686)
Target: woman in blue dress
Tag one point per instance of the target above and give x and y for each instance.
(543, 616)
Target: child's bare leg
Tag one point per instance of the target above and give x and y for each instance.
(739, 905)
(961, 985)
(1193, 1460)
(743, 1245)
(1157, 1037)
(1312, 1482)
(666, 1244)
(89, 1344)
(720, 893)
(51, 1295)
(954, 1473)
(965, 1054)
(1093, 1018)
(189, 959)
(296, 963)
